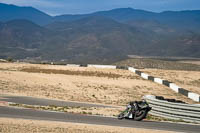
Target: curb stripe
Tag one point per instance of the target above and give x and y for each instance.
(183, 91)
(151, 78)
(138, 72)
(167, 83)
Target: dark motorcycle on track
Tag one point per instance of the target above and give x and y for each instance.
(136, 110)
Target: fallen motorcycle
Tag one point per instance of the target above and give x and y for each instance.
(136, 110)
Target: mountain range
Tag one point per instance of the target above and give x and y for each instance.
(105, 36)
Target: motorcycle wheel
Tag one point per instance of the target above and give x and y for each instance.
(120, 116)
(140, 115)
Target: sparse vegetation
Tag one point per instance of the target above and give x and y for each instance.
(10, 59)
(80, 110)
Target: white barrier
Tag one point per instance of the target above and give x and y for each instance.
(102, 66)
(174, 87)
(73, 65)
(145, 76)
(132, 69)
(158, 80)
(194, 96)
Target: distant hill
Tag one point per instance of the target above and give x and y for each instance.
(120, 14)
(105, 36)
(21, 33)
(189, 20)
(98, 37)
(20, 38)
(11, 12)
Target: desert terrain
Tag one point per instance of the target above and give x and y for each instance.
(30, 126)
(89, 85)
(104, 86)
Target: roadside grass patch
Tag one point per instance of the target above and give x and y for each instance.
(101, 111)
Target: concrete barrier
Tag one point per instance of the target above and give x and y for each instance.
(138, 72)
(145, 76)
(73, 65)
(102, 66)
(174, 87)
(158, 80)
(131, 69)
(194, 96)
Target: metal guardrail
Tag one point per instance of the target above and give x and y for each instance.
(173, 110)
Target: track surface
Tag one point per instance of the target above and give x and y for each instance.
(46, 102)
(78, 118)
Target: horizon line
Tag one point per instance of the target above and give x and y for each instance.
(99, 10)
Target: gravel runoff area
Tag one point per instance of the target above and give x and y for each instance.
(9, 125)
(104, 86)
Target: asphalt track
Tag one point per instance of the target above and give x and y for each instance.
(46, 102)
(78, 118)
(10, 112)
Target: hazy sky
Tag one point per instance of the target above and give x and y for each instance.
(56, 7)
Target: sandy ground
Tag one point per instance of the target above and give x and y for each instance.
(32, 126)
(190, 62)
(95, 87)
(189, 80)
